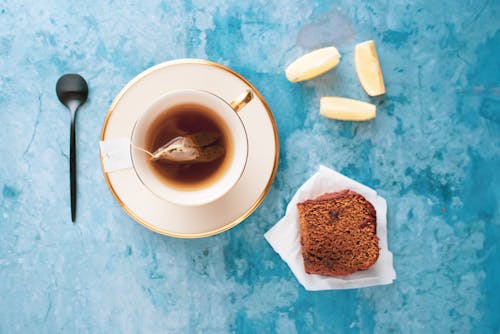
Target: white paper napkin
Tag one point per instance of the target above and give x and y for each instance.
(285, 240)
(116, 154)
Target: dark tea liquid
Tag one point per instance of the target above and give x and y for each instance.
(184, 120)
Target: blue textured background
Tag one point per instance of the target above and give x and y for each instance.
(433, 152)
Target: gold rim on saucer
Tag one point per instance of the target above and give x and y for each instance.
(230, 224)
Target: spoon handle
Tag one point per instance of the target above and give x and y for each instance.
(72, 166)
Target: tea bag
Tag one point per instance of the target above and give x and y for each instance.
(194, 148)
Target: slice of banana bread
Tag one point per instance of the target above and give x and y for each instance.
(338, 233)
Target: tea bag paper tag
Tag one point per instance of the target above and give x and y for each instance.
(116, 154)
(285, 239)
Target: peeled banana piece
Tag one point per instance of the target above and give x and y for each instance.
(344, 109)
(368, 68)
(313, 64)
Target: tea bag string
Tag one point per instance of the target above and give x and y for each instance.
(159, 152)
(156, 154)
(195, 148)
(141, 149)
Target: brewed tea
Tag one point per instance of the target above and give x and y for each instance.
(184, 124)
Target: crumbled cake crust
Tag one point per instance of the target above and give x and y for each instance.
(338, 233)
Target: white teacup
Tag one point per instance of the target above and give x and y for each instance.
(227, 112)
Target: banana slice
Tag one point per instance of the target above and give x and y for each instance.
(313, 64)
(368, 68)
(344, 109)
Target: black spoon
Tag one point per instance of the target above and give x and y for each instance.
(72, 90)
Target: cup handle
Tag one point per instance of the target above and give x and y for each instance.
(238, 103)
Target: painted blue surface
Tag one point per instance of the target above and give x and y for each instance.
(433, 152)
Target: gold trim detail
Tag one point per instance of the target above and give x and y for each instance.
(256, 203)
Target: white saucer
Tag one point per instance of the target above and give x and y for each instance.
(263, 150)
